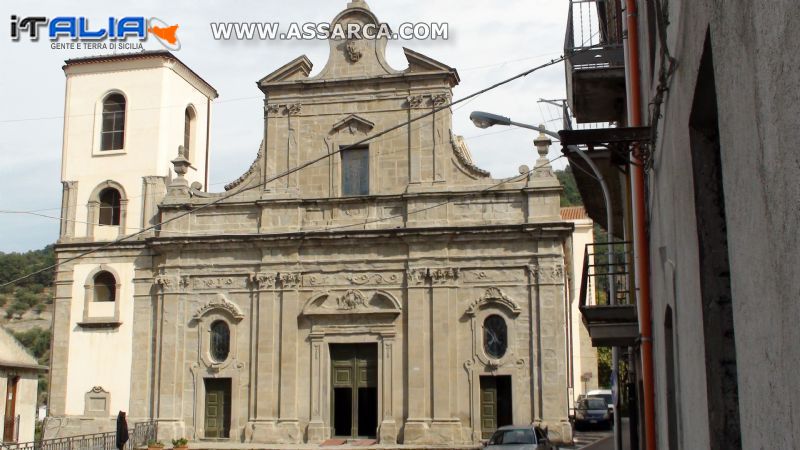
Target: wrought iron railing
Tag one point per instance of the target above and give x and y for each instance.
(598, 269)
(139, 436)
(594, 34)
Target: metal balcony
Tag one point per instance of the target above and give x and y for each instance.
(609, 325)
(595, 61)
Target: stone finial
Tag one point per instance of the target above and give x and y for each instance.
(179, 186)
(181, 164)
(357, 4)
(542, 143)
(542, 169)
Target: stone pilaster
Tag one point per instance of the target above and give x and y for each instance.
(69, 203)
(417, 351)
(288, 426)
(445, 428)
(387, 430)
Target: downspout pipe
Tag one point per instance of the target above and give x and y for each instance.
(641, 239)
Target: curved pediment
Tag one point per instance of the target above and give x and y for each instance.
(351, 301)
(220, 304)
(494, 297)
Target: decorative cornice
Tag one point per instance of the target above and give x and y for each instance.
(493, 296)
(222, 304)
(250, 170)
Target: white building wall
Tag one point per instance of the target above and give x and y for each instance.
(156, 98)
(584, 356)
(25, 404)
(100, 357)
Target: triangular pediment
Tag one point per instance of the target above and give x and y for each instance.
(417, 62)
(297, 68)
(353, 123)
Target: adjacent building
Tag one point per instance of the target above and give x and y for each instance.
(19, 383)
(702, 169)
(388, 289)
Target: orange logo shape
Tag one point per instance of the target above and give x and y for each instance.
(165, 33)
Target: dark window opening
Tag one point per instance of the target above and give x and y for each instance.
(113, 126)
(355, 171)
(109, 207)
(105, 287)
(495, 336)
(188, 124)
(220, 341)
(715, 280)
(669, 362)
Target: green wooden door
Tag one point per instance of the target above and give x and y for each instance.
(218, 407)
(354, 405)
(488, 407)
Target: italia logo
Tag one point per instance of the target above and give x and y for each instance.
(79, 29)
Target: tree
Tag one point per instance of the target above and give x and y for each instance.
(570, 196)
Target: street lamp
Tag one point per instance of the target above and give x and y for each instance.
(483, 119)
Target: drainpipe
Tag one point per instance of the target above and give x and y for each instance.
(641, 239)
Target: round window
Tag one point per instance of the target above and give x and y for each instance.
(220, 341)
(495, 336)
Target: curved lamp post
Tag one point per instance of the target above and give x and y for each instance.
(483, 119)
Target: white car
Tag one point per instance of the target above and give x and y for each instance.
(605, 394)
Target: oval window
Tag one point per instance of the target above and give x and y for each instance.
(495, 336)
(220, 341)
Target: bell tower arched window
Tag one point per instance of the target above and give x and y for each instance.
(112, 136)
(105, 287)
(110, 199)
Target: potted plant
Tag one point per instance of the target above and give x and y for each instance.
(155, 445)
(180, 444)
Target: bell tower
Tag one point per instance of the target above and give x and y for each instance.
(125, 117)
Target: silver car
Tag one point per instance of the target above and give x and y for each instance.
(519, 437)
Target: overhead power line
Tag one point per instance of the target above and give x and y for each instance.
(290, 171)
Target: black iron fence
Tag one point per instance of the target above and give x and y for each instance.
(139, 436)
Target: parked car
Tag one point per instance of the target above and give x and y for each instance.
(592, 411)
(605, 394)
(519, 437)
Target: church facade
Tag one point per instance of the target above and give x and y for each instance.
(391, 290)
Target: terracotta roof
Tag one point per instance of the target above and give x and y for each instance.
(573, 213)
(137, 55)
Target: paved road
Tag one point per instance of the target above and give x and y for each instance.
(599, 439)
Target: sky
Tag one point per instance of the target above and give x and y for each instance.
(487, 42)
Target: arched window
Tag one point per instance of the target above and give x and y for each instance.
(495, 336)
(109, 207)
(188, 132)
(220, 341)
(105, 287)
(113, 127)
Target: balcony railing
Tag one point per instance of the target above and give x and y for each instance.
(610, 323)
(595, 60)
(139, 436)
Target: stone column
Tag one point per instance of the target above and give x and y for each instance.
(144, 301)
(92, 218)
(61, 334)
(414, 139)
(265, 377)
(153, 190)
(288, 426)
(387, 430)
(417, 347)
(69, 201)
(445, 428)
(317, 431)
(171, 365)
